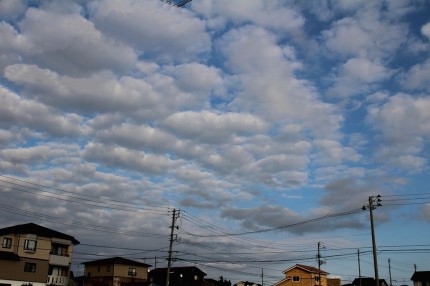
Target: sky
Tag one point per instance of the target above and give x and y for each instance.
(265, 126)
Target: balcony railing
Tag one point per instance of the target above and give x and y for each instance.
(57, 280)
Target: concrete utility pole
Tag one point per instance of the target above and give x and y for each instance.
(359, 267)
(374, 202)
(169, 260)
(389, 271)
(319, 264)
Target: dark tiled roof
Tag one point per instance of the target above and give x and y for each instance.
(421, 276)
(368, 281)
(32, 228)
(179, 268)
(6, 255)
(116, 260)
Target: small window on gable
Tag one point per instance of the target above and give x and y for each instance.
(7, 242)
(296, 278)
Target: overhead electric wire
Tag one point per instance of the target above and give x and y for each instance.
(72, 223)
(76, 198)
(281, 227)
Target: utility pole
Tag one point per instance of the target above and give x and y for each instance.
(389, 271)
(169, 260)
(319, 264)
(262, 277)
(359, 267)
(374, 202)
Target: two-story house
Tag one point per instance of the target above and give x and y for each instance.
(115, 271)
(179, 276)
(33, 254)
(421, 278)
(303, 275)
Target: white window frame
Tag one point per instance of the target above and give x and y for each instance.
(7, 242)
(30, 245)
(296, 278)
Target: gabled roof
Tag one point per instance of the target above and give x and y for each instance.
(368, 281)
(32, 228)
(306, 268)
(116, 260)
(179, 268)
(421, 276)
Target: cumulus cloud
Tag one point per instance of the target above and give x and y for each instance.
(29, 113)
(178, 37)
(404, 125)
(416, 77)
(82, 49)
(268, 83)
(425, 30)
(357, 76)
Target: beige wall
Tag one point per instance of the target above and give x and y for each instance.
(122, 271)
(306, 278)
(117, 270)
(98, 271)
(14, 270)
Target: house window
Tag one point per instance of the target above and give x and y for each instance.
(108, 268)
(98, 268)
(317, 278)
(29, 267)
(132, 271)
(58, 249)
(30, 245)
(7, 242)
(296, 278)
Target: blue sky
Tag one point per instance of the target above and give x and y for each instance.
(244, 115)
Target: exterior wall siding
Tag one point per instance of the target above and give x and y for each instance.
(14, 270)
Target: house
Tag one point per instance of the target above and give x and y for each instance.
(115, 271)
(421, 278)
(368, 281)
(303, 275)
(179, 276)
(246, 283)
(334, 282)
(35, 255)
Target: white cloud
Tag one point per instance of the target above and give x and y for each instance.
(210, 127)
(417, 77)
(195, 77)
(367, 35)
(425, 30)
(153, 28)
(404, 123)
(268, 14)
(11, 9)
(21, 112)
(73, 45)
(117, 156)
(269, 85)
(358, 75)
